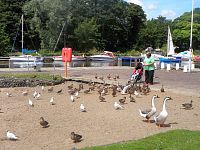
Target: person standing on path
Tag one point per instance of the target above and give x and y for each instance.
(149, 68)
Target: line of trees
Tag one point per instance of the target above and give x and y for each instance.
(113, 25)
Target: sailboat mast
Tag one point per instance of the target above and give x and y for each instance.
(168, 41)
(22, 34)
(190, 59)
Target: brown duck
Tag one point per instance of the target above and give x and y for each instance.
(50, 89)
(87, 91)
(43, 123)
(123, 100)
(60, 91)
(96, 77)
(162, 89)
(109, 77)
(114, 92)
(75, 137)
(187, 105)
(102, 99)
(132, 99)
(70, 86)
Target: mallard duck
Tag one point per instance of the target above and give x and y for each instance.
(92, 88)
(52, 101)
(87, 91)
(11, 136)
(43, 123)
(8, 94)
(35, 94)
(50, 89)
(38, 96)
(70, 86)
(109, 77)
(187, 105)
(96, 76)
(82, 108)
(136, 93)
(150, 112)
(161, 118)
(117, 76)
(101, 78)
(118, 106)
(80, 86)
(101, 98)
(122, 100)
(76, 137)
(59, 91)
(131, 98)
(42, 88)
(30, 103)
(72, 98)
(25, 93)
(162, 89)
(114, 92)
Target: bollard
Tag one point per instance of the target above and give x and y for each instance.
(185, 68)
(193, 67)
(177, 66)
(168, 67)
(162, 65)
(155, 65)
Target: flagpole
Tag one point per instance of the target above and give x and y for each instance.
(190, 59)
(168, 42)
(22, 34)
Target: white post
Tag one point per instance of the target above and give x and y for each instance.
(193, 66)
(190, 59)
(168, 67)
(185, 68)
(155, 65)
(177, 66)
(162, 65)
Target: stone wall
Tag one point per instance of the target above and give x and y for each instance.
(16, 82)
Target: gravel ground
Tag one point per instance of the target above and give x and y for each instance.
(101, 124)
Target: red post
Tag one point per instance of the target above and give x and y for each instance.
(66, 57)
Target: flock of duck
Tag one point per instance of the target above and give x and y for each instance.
(132, 89)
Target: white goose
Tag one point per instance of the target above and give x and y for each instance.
(161, 118)
(149, 112)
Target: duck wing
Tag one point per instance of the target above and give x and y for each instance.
(161, 118)
(144, 113)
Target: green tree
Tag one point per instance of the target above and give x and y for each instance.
(87, 34)
(181, 32)
(4, 41)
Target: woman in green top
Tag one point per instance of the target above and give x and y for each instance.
(149, 68)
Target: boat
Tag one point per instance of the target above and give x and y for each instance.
(74, 58)
(170, 51)
(26, 59)
(154, 53)
(105, 56)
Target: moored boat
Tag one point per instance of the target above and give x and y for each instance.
(105, 56)
(74, 58)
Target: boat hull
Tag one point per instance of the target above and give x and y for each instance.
(26, 58)
(102, 58)
(74, 58)
(169, 60)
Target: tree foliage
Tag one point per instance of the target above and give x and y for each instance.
(113, 25)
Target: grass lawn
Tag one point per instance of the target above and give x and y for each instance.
(171, 140)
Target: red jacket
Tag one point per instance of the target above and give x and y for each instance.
(140, 71)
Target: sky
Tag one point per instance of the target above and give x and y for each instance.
(170, 9)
